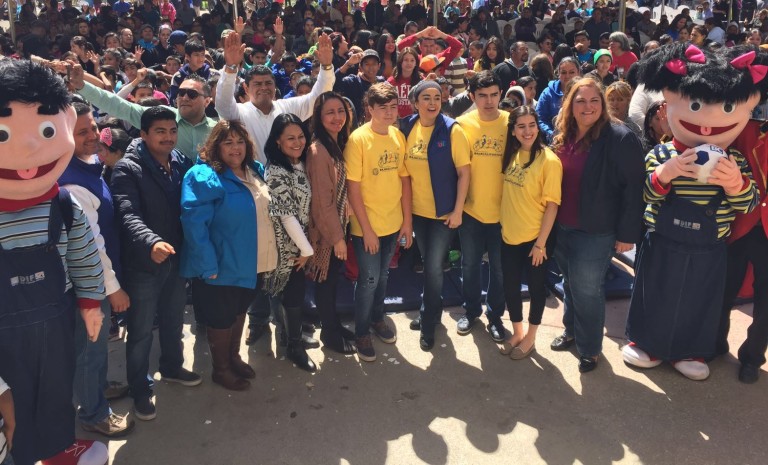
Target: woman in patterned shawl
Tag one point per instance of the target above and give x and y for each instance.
(286, 151)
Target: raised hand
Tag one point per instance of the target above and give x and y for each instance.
(76, 74)
(233, 49)
(324, 51)
(138, 53)
(239, 25)
(278, 26)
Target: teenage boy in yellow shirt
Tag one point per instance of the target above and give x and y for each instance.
(480, 230)
(380, 196)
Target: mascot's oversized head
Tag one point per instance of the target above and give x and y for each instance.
(710, 95)
(36, 124)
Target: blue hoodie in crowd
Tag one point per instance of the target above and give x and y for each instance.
(548, 107)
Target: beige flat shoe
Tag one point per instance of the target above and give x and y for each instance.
(518, 354)
(506, 348)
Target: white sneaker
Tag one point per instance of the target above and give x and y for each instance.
(693, 369)
(635, 356)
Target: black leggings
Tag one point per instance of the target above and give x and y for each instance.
(325, 296)
(293, 293)
(220, 305)
(515, 259)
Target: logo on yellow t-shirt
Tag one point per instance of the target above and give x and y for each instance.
(418, 152)
(487, 146)
(387, 162)
(516, 175)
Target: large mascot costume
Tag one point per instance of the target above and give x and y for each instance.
(49, 267)
(695, 185)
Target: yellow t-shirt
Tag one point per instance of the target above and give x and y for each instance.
(487, 140)
(418, 167)
(526, 193)
(376, 162)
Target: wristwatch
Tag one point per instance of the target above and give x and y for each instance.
(327, 67)
(232, 68)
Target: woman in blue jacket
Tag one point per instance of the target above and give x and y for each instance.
(551, 98)
(218, 203)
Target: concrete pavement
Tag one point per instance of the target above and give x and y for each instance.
(463, 403)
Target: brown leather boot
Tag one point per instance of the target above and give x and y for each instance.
(238, 364)
(219, 340)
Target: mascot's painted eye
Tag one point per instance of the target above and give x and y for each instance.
(47, 130)
(728, 107)
(695, 105)
(5, 133)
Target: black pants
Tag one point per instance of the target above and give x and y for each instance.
(325, 296)
(515, 260)
(752, 248)
(220, 305)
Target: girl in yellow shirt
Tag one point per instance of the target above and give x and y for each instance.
(529, 202)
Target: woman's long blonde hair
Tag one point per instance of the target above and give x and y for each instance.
(566, 128)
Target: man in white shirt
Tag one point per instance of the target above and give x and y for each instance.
(260, 111)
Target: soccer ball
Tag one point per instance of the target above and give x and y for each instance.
(707, 156)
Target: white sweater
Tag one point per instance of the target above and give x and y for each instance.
(257, 123)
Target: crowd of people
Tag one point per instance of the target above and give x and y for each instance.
(234, 159)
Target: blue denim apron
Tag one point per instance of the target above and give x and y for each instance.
(680, 280)
(37, 345)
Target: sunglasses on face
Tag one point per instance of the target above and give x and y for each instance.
(191, 93)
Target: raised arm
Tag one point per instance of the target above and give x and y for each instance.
(226, 105)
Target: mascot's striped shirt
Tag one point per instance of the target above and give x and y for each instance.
(29, 227)
(693, 191)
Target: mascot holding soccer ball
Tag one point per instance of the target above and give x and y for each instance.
(694, 187)
(49, 268)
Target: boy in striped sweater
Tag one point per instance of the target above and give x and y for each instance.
(680, 278)
(49, 266)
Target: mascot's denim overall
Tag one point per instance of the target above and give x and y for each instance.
(37, 357)
(678, 290)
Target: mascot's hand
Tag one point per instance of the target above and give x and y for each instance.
(727, 175)
(93, 319)
(681, 165)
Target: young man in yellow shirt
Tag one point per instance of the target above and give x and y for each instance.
(480, 230)
(380, 196)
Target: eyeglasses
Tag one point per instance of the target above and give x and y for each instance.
(190, 93)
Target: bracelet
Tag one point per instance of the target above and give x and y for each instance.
(327, 67)
(540, 248)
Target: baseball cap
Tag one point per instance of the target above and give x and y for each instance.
(430, 62)
(371, 53)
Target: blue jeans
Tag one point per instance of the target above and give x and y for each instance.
(260, 309)
(371, 285)
(583, 259)
(434, 239)
(476, 238)
(91, 370)
(162, 293)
